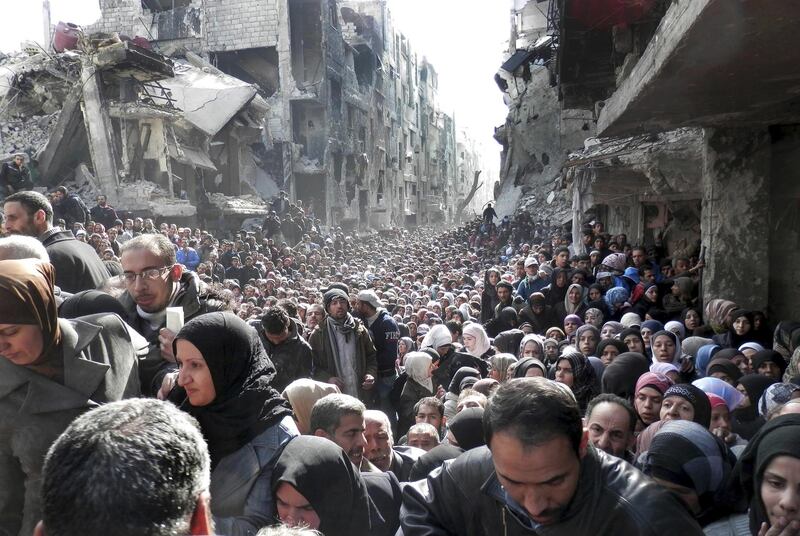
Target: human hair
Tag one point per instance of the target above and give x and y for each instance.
(32, 201)
(611, 398)
(22, 247)
(561, 249)
(136, 465)
(289, 306)
(533, 410)
(328, 411)
(275, 321)
(472, 393)
(157, 244)
(431, 401)
(453, 326)
(424, 428)
(377, 415)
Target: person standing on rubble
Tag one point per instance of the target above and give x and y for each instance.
(103, 213)
(15, 176)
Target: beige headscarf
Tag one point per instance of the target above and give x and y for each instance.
(302, 394)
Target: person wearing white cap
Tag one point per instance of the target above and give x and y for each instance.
(385, 336)
(532, 282)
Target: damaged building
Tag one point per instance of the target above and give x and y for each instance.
(687, 137)
(204, 109)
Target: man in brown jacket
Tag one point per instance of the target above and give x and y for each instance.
(342, 349)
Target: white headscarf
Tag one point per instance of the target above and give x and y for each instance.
(439, 335)
(418, 365)
(481, 338)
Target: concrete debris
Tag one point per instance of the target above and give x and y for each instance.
(26, 136)
(240, 205)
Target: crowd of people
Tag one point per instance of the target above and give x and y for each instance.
(490, 379)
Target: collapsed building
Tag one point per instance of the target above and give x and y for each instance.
(203, 109)
(689, 136)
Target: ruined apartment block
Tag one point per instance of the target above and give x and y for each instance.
(321, 98)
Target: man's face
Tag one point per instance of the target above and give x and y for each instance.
(350, 436)
(430, 415)
(101, 200)
(18, 221)
(542, 479)
(503, 293)
(278, 339)
(638, 257)
(379, 444)
(562, 259)
(609, 429)
(338, 308)
(151, 295)
(18, 160)
(421, 440)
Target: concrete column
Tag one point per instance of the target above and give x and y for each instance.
(99, 131)
(736, 215)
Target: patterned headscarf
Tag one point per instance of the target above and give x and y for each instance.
(697, 398)
(775, 395)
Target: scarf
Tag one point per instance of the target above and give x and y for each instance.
(715, 386)
(697, 398)
(418, 366)
(27, 298)
(584, 378)
(467, 428)
(245, 404)
(621, 375)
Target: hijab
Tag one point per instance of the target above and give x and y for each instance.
(245, 404)
(787, 338)
(779, 437)
(759, 358)
(500, 363)
(90, 302)
(716, 314)
(302, 394)
(755, 385)
(775, 395)
(525, 364)
(508, 341)
(467, 427)
(664, 368)
(534, 338)
(433, 459)
(418, 365)
(615, 297)
(570, 307)
(322, 473)
(715, 386)
(704, 355)
(584, 378)
(482, 344)
(657, 381)
(583, 329)
(621, 375)
(676, 355)
(653, 325)
(458, 377)
(720, 364)
(685, 453)
(673, 325)
(27, 298)
(691, 345)
(697, 398)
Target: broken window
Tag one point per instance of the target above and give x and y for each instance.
(164, 5)
(257, 66)
(336, 97)
(308, 120)
(305, 27)
(337, 167)
(365, 66)
(379, 193)
(333, 13)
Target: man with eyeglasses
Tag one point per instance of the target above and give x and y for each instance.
(153, 281)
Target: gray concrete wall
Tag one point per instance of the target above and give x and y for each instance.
(736, 215)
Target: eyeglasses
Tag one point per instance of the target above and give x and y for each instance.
(151, 274)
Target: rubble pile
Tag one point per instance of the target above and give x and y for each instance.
(243, 204)
(26, 135)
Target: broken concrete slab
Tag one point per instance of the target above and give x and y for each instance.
(126, 60)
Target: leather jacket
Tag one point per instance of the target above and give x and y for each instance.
(465, 498)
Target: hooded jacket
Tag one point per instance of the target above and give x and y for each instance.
(292, 357)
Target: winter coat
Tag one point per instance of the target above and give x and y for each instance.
(385, 336)
(412, 393)
(100, 366)
(292, 357)
(78, 267)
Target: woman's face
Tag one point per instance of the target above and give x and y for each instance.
(570, 326)
(564, 373)
(595, 294)
(741, 325)
(587, 343)
(743, 362)
(402, 349)
(780, 489)
(746, 400)
(591, 318)
(532, 350)
(493, 278)
(720, 419)
(609, 353)
(534, 372)
(561, 279)
(194, 375)
(664, 349)
(574, 296)
(469, 342)
(608, 332)
(646, 335)
(648, 404)
(652, 293)
(294, 510)
(634, 344)
(551, 351)
(21, 344)
(768, 368)
(692, 320)
(676, 408)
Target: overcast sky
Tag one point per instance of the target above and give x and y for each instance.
(463, 39)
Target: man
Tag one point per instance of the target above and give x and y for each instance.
(430, 410)
(340, 418)
(215, 268)
(532, 282)
(314, 316)
(113, 243)
(489, 213)
(70, 208)
(142, 467)
(154, 281)
(539, 475)
(611, 421)
(423, 436)
(77, 265)
(249, 271)
(385, 335)
(103, 213)
(561, 258)
(235, 271)
(380, 449)
(504, 292)
(342, 349)
(285, 346)
(187, 255)
(15, 176)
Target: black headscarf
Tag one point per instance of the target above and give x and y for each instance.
(433, 459)
(622, 374)
(759, 358)
(779, 437)
(458, 377)
(467, 427)
(245, 404)
(508, 341)
(322, 473)
(90, 302)
(584, 378)
(746, 421)
(720, 364)
(697, 398)
(527, 363)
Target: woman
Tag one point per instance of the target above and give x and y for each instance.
(769, 363)
(476, 341)
(302, 394)
(316, 486)
(692, 319)
(556, 291)
(226, 375)
(609, 349)
(611, 329)
(454, 389)
(690, 462)
(530, 367)
(616, 300)
(686, 402)
(575, 371)
(621, 375)
(633, 340)
(649, 397)
(418, 386)
(52, 370)
(531, 346)
(465, 431)
(768, 472)
(587, 339)
(740, 331)
(489, 299)
(574, 302)
(594, 317)
(571, 325)
(648, 301)
(404, 346)
(745, 418)
(500, 365)
(550, 351)
(677, 328)
(556, 333)
(647, 329)
(681, 296)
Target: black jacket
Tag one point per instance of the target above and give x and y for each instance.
(385, 335)
(14, 179)
(612, 499)
(403, 459)
(105, 215)
(78, 267)
(292, 358)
